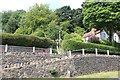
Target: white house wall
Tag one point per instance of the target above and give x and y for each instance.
(116, 38)
(104, 35)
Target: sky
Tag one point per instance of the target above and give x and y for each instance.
(25, 4)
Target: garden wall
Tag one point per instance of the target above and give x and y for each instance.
(77, 65)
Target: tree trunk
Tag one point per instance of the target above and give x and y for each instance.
(110, 36)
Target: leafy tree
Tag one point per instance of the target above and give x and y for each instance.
(10, 20)
(102, 15)
(66, 26)
(69, 18)
(39, 21)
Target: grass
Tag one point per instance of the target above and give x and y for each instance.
(114, 74)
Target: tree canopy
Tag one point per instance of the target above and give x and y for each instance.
(102, 15)
(10, 20)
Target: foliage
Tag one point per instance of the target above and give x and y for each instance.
(10, 20)
(39, 21)
(76, 45)
(93, 39)
(103, 42)
(52, 30)
(53, 71)
(69, 36)
(25, 40)
(79, 30)
(66, 26)
(68, 18)
(54, 51)
(38, 33)
(65, 13)
(102, 15)
(115, 44)
(73, 36)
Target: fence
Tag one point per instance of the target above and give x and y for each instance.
(94, 51)
(6, 48)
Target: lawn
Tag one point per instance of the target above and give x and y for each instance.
(114, 74)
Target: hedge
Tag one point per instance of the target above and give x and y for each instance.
(25, 40)
(75, 45)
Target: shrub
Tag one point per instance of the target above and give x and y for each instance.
(75, 45)
(103, 42)
(69, 36)
(54, 51)
(39, 34)
(53, 71)
(93, 39)
(73, 36)
(25, 40)
(115, 44)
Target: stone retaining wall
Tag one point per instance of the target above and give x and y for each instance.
(77, 65)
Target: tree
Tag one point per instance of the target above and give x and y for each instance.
(10, 20)
(69, 19)
(38, 19)
(102, 15)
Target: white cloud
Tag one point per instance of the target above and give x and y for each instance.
(25, 4)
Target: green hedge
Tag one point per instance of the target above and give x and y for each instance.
(75, 45)
(25, 40)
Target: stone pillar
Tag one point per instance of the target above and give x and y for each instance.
(69, 53)
(50, 50)
(96, 52)
(108, 52)
(33, 49)
(6, 48)
(83, 51)
(68, 73)
(21, 64)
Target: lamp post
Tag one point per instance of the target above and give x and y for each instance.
(59, 39)
(57, 44)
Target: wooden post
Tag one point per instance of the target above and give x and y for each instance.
(33, 49)
(6, 48)
(96, 52)
(83, 51)
(108, 52)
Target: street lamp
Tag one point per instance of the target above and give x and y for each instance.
(57, 41)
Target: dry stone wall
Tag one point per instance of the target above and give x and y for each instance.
(29, 65)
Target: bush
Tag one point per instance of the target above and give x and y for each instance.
(25, 40)
(54, 51)
(69, 36)
(73, 36)
(94, 39)
(39, 34)
(115, 44)
(103, 42)
(75, 45)
(53, 71)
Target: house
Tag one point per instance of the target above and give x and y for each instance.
(100, 35)
(116, 36)
(93, 34)
(104, 35)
